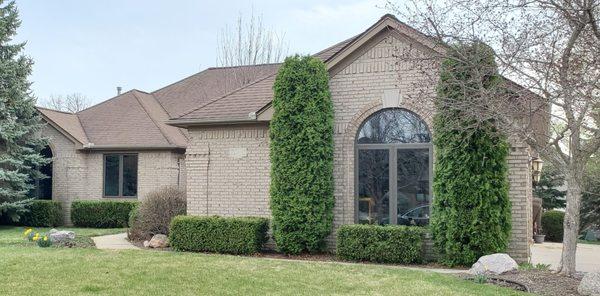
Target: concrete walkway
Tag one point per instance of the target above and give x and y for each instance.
(588, 256)
(114, 242)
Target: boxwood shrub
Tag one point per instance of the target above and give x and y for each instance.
(40, 213)
(101, 213)
(383, 244)
(552, 225)
(243, 235)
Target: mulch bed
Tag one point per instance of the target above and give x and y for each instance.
(537, 281)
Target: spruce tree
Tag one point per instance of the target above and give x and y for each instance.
(301, 133)
(471, 212)
(20, 124)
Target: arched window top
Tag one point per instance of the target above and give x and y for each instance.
(390, 126)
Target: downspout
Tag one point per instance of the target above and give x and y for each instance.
(207, 175)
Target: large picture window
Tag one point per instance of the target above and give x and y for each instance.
(120, 175)
(393, 169)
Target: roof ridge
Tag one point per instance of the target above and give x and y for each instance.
(226, 95)
(244, 66)
(152, 118)
(105, 101)
(54, 110)
(180, 80)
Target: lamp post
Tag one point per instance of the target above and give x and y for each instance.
(536, 169)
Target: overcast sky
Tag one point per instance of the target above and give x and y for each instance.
(91, 47)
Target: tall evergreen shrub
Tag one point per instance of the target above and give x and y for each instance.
(471, 213)
(301, 134)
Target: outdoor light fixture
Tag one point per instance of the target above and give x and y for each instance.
(536, 168)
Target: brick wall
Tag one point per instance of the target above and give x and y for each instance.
(228, 171)
(78, 175)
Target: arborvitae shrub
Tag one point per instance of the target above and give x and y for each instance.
(471, 210)
(301, 134)
(552, 225)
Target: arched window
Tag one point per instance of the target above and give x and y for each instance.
(393, 169)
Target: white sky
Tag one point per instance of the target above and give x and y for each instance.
(90, 47)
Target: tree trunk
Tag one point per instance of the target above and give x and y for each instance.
(571, 224)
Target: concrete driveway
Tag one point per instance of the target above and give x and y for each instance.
(588, 256)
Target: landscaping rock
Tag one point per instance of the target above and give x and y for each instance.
(590, 284)
(498, 263)
(146, 244)
(159, 241)
(57, 236)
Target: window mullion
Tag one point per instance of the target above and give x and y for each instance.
(393, 193)
(121, 175)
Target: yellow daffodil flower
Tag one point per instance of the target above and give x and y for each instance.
(45, 238)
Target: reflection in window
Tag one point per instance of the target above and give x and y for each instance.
(393, 126)
(413, 186)
(120, 175)
(373, 186)
(383, 153)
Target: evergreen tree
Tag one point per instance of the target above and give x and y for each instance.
(548, 188)
(301, 133)
(471, 208)
(590, 201)
(20, 124)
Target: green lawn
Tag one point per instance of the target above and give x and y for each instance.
(28, 270)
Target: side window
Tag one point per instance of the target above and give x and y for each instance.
(120, 175)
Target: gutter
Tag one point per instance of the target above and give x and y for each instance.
(92, 147)
(184, 123)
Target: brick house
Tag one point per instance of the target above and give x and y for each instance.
(209, 134)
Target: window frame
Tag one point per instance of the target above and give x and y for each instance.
(392, 149)
(120, 178)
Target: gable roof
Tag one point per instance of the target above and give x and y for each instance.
(66, 123)
(243, 105)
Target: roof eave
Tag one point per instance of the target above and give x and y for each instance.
(92, 147)
(185, 123)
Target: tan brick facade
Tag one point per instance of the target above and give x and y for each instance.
(78, 174)
(228, 167)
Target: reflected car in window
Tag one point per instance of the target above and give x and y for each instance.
(418, 216)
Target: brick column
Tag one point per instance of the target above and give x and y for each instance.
(520, 193)
(196, 165)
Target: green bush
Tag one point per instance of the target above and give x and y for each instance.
(301, 134)
(101, 213)
(383, 244)
(471, 210)
(552, 225)
(244, 235)
(42, 213)
(38, 213)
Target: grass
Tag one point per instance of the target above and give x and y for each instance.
(581, 241)
(27, 270)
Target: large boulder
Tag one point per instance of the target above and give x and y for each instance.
(498, 263)
(590, 284)
(159, 241)
(58, 236)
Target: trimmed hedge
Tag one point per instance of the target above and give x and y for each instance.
(244, 235)
(40, 213)
(552, 225)
(383, 244)
(101, 213)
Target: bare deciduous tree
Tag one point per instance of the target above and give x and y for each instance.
(73, 103)
(248, 43)
(551, 48)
